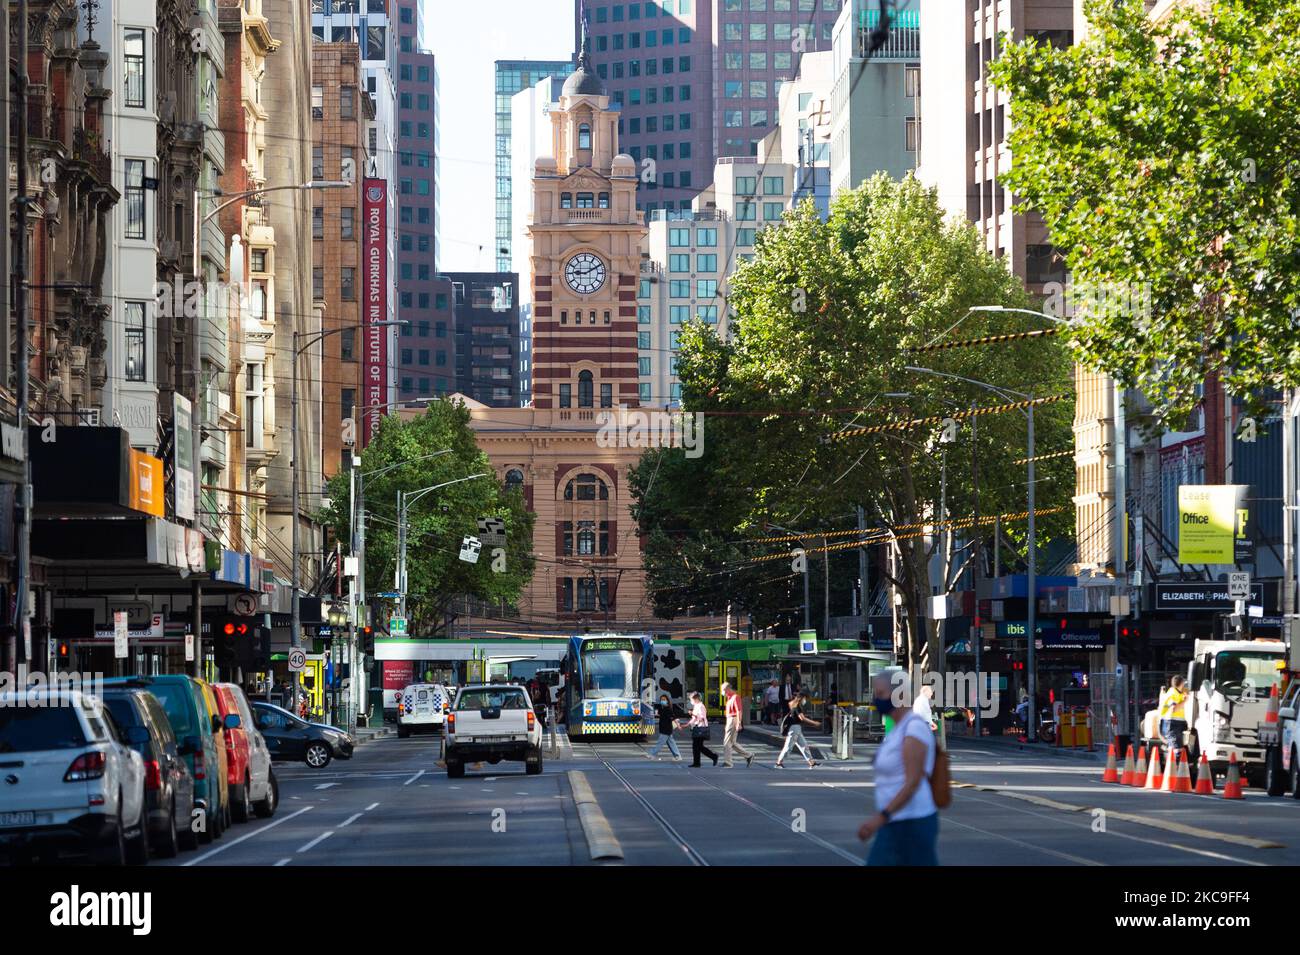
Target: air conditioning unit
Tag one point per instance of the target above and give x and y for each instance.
(88, 417)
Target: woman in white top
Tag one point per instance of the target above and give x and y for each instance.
(906, 823)
(699, 725)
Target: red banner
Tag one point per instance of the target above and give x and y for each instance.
(374, 284)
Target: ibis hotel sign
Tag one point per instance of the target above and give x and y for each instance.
(1214, 524)
(374, 302)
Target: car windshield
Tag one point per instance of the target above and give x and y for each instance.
(1246, 674)
(609, 674)
(176, 701)
(285, 716)
(31, 729)
(482, 699)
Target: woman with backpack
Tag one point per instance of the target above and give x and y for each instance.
(906, 824)
(792, 730)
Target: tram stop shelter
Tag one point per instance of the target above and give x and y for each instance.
(846, 672)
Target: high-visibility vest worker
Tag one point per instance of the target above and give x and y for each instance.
(1171, 703)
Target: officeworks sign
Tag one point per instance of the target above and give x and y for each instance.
(1053, 638)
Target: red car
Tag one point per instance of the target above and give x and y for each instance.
(248, 761)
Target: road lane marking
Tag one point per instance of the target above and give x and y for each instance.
(1126, 835)
(326, 785)
(285, 861)
(248, 835)
(352, 818)
(371, 806)
(1169, 825)
(319, 839)
(413, 778)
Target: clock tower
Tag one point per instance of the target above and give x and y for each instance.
(586, 239)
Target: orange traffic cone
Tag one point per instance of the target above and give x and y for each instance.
(1183, 779)
(1270, 714)
(1154, 777)
(1171, 772)
(1140, 770)
(1126, 778)
(1232, 787)
(1111, 775)
(1204, 777)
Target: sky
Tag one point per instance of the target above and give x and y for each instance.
(467, 37)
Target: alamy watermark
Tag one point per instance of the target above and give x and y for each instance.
(638, 428)
(35, 689)
(952, 690)
(1090, 300)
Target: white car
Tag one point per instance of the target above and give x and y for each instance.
(68, 781)
(423, 706)
(492, 722)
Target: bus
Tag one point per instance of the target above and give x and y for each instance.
(608, 682)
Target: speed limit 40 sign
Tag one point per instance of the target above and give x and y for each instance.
(297, 660)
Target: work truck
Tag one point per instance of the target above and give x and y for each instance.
(1229, 683)
(490, 722)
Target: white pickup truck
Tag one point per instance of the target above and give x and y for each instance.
(489, 723)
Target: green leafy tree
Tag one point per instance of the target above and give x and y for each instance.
(1165, 160)
(825, 320)
(438, 521)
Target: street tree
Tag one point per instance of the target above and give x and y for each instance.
(1165, 160)
(825, 321)
(436, 522)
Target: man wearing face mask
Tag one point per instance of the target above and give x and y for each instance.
(906, 824)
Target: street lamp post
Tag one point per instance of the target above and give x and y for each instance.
(295, 625)
(199, 194)
(1031, 582)
(404, 501)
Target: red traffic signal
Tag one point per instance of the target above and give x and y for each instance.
(232, 629)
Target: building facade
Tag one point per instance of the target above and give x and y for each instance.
(485, 316)
(513, 77)
(427, 360)
(697, 80)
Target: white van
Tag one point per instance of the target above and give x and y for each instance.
(423, 706)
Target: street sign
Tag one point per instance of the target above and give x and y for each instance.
(492, 531)
(245, 605)
(297, 660)
(808, 641)
(397, 626)
(119, 634)
(189, 648)
(1238, 586)
(469, 549)
(388, 594)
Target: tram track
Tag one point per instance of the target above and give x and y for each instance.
(696, 857)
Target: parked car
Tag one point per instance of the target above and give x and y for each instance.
(251, 781)
(168, 785)
(70, 782)
(196, 724)
(423, 706)
(291, 738)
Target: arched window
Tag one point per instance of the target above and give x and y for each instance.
(586, 487)
(586, 394)
(584, 136)
(514, 478)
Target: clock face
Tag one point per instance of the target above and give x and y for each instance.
(585, 273)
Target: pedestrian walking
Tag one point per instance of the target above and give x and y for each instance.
(922, 706)
(1173, 715)
(667, 716)
(792, 729)
(906, 824)
(699, 725)
(772, 703)
(732, 729)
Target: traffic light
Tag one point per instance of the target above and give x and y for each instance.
(1130, 630)
(240, 642)
(367, 635)
(65, 654)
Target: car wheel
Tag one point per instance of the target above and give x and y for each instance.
(137, 848)
(533, 765)
(1294, 781)
(217, 822)
(188, 837)
(206, 833)
(455, 769)
(266, 808)
(1274, 784)
(318, 755)
(403, 732)
(242, 807)
(171, 846)
(113, 852)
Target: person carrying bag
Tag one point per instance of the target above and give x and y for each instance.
(699, 725)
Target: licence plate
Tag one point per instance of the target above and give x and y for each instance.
(17, 818)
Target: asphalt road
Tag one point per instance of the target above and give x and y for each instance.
(392, 805)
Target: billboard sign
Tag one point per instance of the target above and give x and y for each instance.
(183, 451)
(1214, 524)
(374, 303)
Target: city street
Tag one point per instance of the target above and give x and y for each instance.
(393, 805)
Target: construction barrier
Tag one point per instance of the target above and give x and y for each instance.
(1074, 728)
